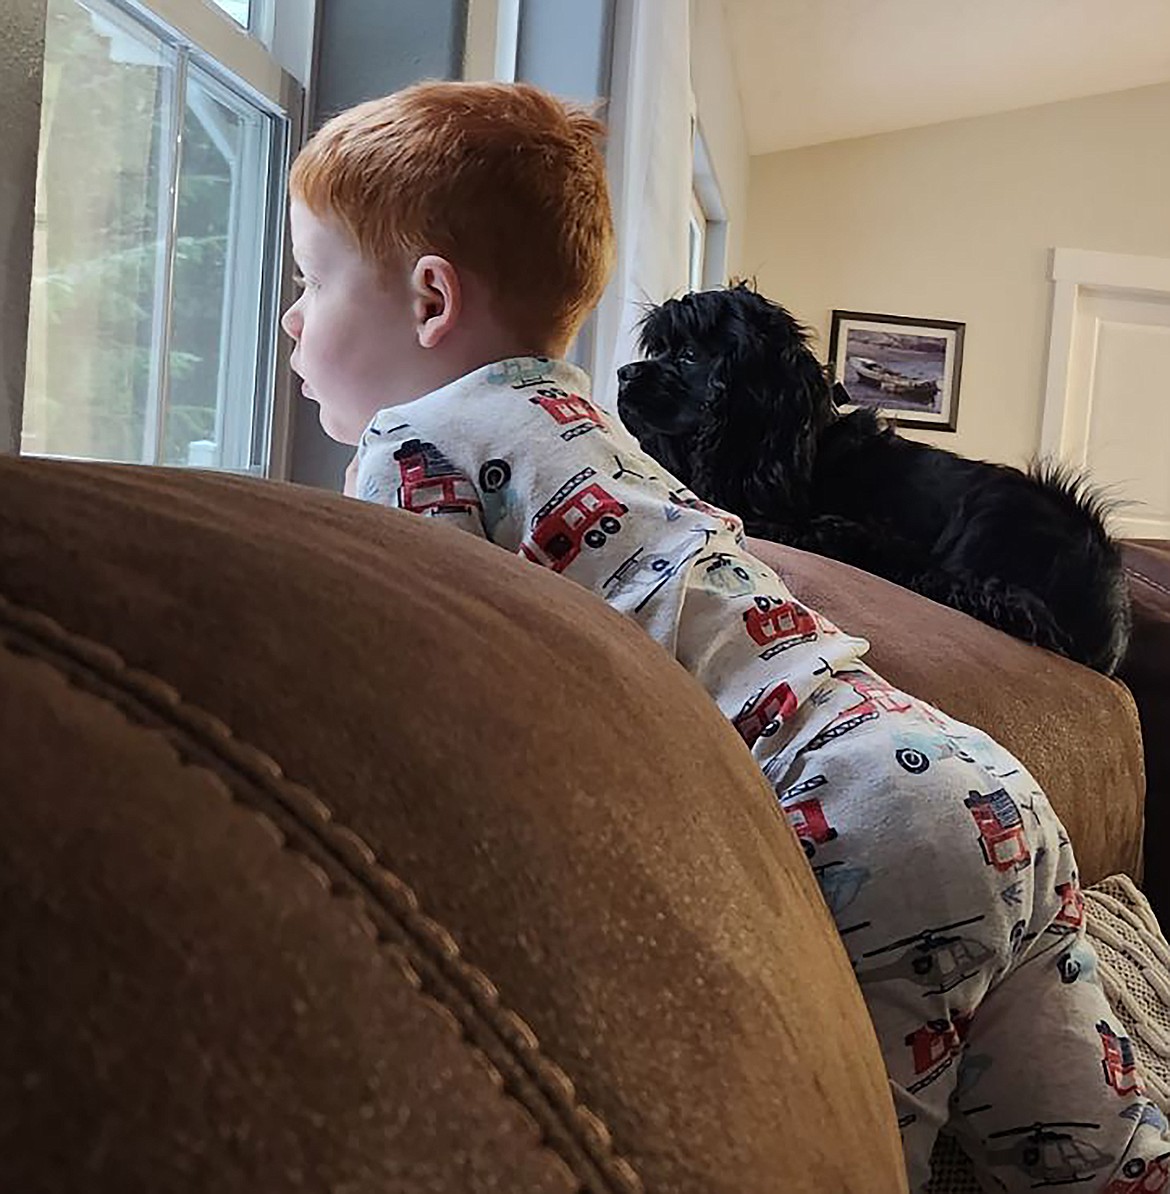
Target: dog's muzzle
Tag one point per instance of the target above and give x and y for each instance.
(629, 375)
(632, 379)
(652, 398)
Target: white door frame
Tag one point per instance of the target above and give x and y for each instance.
(1071, 271)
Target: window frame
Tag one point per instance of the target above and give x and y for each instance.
(204, 36)
(207, 28)
(491, 43)
(274, 58)
(707, 204)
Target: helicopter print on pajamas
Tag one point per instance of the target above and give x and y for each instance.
(951, 880)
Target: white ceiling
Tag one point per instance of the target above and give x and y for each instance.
(822, 70)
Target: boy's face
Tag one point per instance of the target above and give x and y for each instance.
(355, 341)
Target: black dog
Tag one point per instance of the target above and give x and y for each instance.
(731, 401)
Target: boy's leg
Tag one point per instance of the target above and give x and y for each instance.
(954, 888)
(897, 854)
(1047, 1092)
(1057, 1102)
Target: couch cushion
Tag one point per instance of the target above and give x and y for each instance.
(1074, 729)
(342, 851)
(1147, 672)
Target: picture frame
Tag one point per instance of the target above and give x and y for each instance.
(906, 369)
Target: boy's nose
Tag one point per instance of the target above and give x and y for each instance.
(292, 323)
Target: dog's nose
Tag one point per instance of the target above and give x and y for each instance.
(629, 373)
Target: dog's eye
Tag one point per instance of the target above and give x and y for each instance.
(685, 356)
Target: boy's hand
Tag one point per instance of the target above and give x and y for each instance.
(351, 478)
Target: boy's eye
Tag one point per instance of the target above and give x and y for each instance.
(303, 283)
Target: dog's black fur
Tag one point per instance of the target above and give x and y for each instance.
(732, 401)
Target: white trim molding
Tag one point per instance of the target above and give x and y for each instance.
(1071, 271)
(1115, 271)
(492, 40)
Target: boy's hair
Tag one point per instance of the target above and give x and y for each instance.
(502, 179)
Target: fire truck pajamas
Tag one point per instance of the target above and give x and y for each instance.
(951, 880)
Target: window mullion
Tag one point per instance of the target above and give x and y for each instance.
(272, 435)
(156, 416)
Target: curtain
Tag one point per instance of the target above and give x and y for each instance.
(650, 168)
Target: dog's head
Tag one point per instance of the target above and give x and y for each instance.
(729, 399)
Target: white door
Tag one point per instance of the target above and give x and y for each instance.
(1107, 406)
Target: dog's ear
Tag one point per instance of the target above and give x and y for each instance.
(648, 326)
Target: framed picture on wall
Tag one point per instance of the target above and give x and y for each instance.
(906, 369)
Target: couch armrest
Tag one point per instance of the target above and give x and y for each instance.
(1074, 729)
(1147, 672)
(341, 850)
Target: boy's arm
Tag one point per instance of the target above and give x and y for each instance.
(400, 468)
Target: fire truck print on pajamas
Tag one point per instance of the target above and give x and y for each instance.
(950, 879)
(778, 625)
(1117, 1061)
(579, 514)
(1001, 830)
(763, 714)
(808, 821)
(430, 483)
(571, 411)
(935, 1046)
(1071, 916)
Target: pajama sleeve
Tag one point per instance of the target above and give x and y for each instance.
(401, 468)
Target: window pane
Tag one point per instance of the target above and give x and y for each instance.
(219, 267)
(99, 249)
(240, 11)
(695, 241)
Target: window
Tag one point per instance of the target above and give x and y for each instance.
(257, 17)
(240, 11)
(159, 213)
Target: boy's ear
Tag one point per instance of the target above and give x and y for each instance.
(436, 299)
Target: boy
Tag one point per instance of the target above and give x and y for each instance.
(452, 239)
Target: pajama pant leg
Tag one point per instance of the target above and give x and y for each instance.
(1052, 1098)
(954, 888)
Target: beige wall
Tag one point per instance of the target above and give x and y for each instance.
(22, 29)
(720, 118)
(955, 221)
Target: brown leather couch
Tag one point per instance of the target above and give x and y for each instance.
(340, 851)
